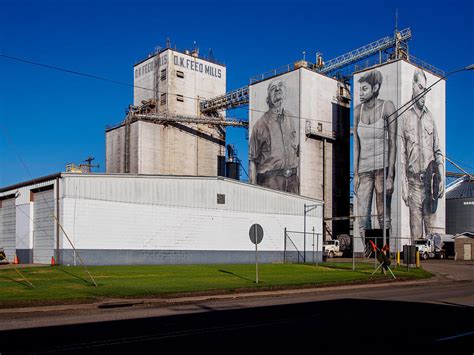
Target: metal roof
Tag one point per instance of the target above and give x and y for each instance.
(60, 175)
(464, 189)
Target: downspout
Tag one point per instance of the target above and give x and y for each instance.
(58, 255)
(324, 188)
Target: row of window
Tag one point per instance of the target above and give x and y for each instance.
(179, 98)
(179, 74)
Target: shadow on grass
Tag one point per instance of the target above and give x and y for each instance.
(23, 283)
(240, 277)
(76, 276)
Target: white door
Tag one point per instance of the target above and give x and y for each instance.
(7, 227)
(467, 251)
(43, 227)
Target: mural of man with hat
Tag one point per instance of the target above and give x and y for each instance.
(274, 144)
(422, 162)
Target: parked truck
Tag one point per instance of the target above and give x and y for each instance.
(331, 248)
(435, 246)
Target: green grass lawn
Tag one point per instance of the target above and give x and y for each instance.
(62, 283)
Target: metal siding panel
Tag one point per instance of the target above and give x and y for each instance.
(8, 227)
(185, 192)
(43, 224)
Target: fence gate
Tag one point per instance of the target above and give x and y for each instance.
(295, 245)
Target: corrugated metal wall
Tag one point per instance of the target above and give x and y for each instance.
(29, 219)
(177, 219)
(192, 192)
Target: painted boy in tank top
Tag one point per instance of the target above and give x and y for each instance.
(372, 117)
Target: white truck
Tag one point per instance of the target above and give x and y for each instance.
(434, 246)
(331, 248)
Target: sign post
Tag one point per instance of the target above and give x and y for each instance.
(256, 236)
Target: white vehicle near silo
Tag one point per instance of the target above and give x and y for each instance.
(434, 246)
(331, 248)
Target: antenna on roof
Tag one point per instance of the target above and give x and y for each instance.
(396, 21)
(168, 42)
(195, 51)
(211, 54)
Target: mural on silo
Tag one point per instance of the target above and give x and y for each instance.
(387, 100)
(422, 154)
(274, 134)
(375, 117)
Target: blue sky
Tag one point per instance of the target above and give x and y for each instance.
(50, 118)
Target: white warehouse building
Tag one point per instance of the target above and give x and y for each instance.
(114, 219)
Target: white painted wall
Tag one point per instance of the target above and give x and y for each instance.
(172, 213)
(318, 95)
(202, 80)
(115, 150)
(117, 225)
(143, 77)
(150, 158)
(24, 226)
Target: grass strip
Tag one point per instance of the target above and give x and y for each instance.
(63, 283)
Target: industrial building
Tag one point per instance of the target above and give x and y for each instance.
(148, 219)
(464, 246)
(460, 206)
(163, 198)
(161, 133)
(319, 107)
(176, 125)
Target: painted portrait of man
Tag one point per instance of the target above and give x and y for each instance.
(422, 161)
(274, 144)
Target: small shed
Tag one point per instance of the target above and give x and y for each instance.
(464, 246)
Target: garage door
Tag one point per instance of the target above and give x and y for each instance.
(7, 227)
(43, 226)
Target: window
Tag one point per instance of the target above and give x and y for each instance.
(341, 91)
(221, 199)
(179, 74)
(163, 74)
(180, 98)
(163, 99)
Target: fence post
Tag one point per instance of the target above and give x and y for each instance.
(284, 248)
(317, 249)
(304, 235)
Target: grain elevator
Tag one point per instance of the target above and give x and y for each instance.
(169, 85)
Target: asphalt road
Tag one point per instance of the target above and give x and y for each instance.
(429, 317)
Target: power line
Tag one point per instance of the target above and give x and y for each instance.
(51, 209)
(92, 76)
(457, 161)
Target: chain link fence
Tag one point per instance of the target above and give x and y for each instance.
(298, 249)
